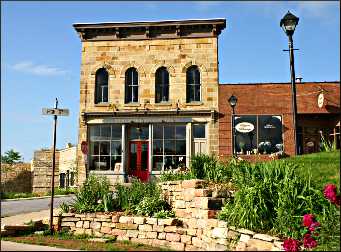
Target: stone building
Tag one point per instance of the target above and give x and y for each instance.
(148, 96)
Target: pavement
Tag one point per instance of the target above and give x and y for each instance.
(26, 217)
(14, 246)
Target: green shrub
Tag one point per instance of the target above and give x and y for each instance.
(198, 162)
(150, 205)
(93, 196)
(172, 175)
(64, 207)
(163, 214)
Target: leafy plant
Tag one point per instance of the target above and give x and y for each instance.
(150, 205)
(10, 157)
(327, 145)
(64, 207)
(92, 195)
(173, 175)
(197, 169)
(163, 214)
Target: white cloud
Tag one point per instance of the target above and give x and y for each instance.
(317, 9)
(35, 69)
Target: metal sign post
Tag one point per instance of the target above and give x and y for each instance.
(55, 112)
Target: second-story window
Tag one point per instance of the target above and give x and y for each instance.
(101, 86)
(131, 85)
(193, 86)
(161, 85)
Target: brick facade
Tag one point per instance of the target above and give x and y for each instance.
(275, 99)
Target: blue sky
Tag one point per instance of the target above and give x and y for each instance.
(40, 54)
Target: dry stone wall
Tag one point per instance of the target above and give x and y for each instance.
(16, 178)
(198, 230)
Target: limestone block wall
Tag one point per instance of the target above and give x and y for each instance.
(16, 177)
(42, 171)
(187, 232)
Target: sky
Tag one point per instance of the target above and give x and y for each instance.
(41, 53)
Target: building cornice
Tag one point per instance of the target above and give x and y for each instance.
(150, 30)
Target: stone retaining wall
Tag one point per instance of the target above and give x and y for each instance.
(175, 233)
(194, 227)
(16, 178)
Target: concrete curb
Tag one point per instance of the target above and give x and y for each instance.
(32, 198)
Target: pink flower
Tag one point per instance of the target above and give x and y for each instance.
(309, 242)
(330, 193)
(291, 245)
(313, 226)
(308, 220)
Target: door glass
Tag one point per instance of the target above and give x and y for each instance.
(133, 156)
(144, 156)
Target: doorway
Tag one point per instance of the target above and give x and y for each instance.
(138, 159)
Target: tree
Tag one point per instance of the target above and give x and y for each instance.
(11, 157)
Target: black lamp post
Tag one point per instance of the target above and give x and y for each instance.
(233, 102)
(289, 23)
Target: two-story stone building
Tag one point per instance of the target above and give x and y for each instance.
(148, 96)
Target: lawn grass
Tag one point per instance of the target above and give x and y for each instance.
(324, 167)
(81, 243)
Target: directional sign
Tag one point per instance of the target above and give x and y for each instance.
(54, 111)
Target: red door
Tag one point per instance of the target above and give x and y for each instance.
(138, 160)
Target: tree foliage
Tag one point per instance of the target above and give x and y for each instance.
(10, 157)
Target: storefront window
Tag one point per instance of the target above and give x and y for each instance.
(258, 134)
(105, 146)
(199, 131)
(169, 146)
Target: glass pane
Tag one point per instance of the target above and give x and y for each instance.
(144, 156)
(158, 92)
(180, 132)
(133, 157)
(94, 132)
(169, 146)
(94, 163)
(106, 132)
(197, 93)
(199, 131)
(180, 161)
(246, 134)
(116, 131)
(115, 162)
(181, 147)
(169, 132)
(157, 131)
(157, 147)
(104, 93)
(104, 148)
(135, 94)
(169, 163)
(94, 148)
(116, 148)
(157, 163)
(191, 93)
(104, 163)
(165, 93)
(270, 134)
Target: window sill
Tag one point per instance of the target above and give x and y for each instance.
(163, 104)
(133, 104)
(194, 103)
(103, 104)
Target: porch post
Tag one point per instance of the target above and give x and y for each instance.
(124, 150)
(150, 154)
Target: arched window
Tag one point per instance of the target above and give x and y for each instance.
(101, 86)
(193, 84)
(131, 85)
(161, 85)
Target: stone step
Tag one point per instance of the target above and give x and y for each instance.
(209, 203)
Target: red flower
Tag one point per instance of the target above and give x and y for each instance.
(330, 193)
(313, 226)
(309, 242)
(291, 245)
(308, 220)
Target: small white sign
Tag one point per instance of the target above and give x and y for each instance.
(320, 100)
(53, 111)
(310, 144)
(245, 127)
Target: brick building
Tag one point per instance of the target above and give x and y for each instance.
(267, 111)
(150, 98)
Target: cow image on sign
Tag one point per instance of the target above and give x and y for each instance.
(245, 127)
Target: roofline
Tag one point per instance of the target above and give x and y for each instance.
(221, 21)
(282, 83)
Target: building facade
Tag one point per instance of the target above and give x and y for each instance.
(148, 96)
(263, 118)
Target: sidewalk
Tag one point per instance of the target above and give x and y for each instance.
(26, 217)
(14, 246)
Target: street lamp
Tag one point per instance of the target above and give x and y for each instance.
(288, 24)
(233, 102)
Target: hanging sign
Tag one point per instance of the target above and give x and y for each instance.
(84, 147)
(320, 100)
(245, 127)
